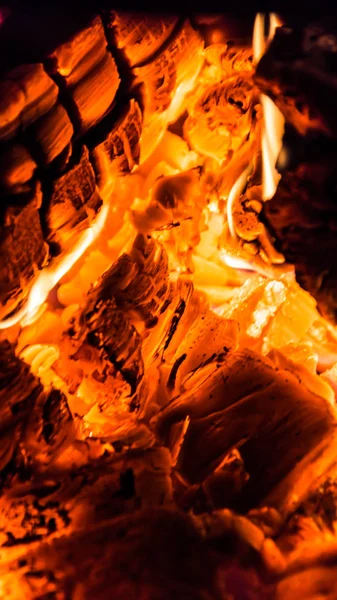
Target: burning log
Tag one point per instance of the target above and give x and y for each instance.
(36, 424)
(119, 153)
(17, 168)
(138, 36)
(29, 103)
(245, 403)
(130, 296)
(177, 64)
(23, 250)
(74, 201)
(27, 93)
(87, 74)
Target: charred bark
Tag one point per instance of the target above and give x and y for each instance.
(23, 250)
(74, 201)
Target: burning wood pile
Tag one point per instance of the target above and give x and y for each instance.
(168, 349)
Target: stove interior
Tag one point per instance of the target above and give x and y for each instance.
(168, 346)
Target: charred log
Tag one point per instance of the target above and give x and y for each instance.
(247, 404)
(179, 61)
(87, 73)
(119, 152)
(35, 423)
(23, 250)
(17, 168)
(74, 201)
(138, 36)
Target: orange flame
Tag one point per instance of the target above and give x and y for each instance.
(50, 276)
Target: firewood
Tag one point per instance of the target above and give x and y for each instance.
(120, 150)
(29, 104)
(139, 281)
(177, 63)
(23, 250)
(130, 295)
(51, 135)
(17, 168)
(74, 201)
(139, 36)
(248, 404)
(35, 423)
(26, 93)
(87, 73)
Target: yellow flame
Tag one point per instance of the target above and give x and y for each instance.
(258, 37)
(271, 143)
(274, 22)
(50, 276)
(273, 130)
(236, 190)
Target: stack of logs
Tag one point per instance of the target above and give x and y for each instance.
(71, 123)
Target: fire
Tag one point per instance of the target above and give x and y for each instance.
(271, 145)
(236, 191)
(175, 345)
(273, 129)
(50, 276)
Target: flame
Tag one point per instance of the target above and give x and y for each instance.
(236, 262)
(273, 130)
(272, 137)
(258, 37)
(50, 276)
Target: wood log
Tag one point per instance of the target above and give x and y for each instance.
(87, 74)
(51, 136)
(178, 62)
(35, 423)
(138, 36)
(119, 153)
(26, 93)
(73, 202)
(247, 404)
(139, 281)
(29, 104)
(17, 168)
(23, 250)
